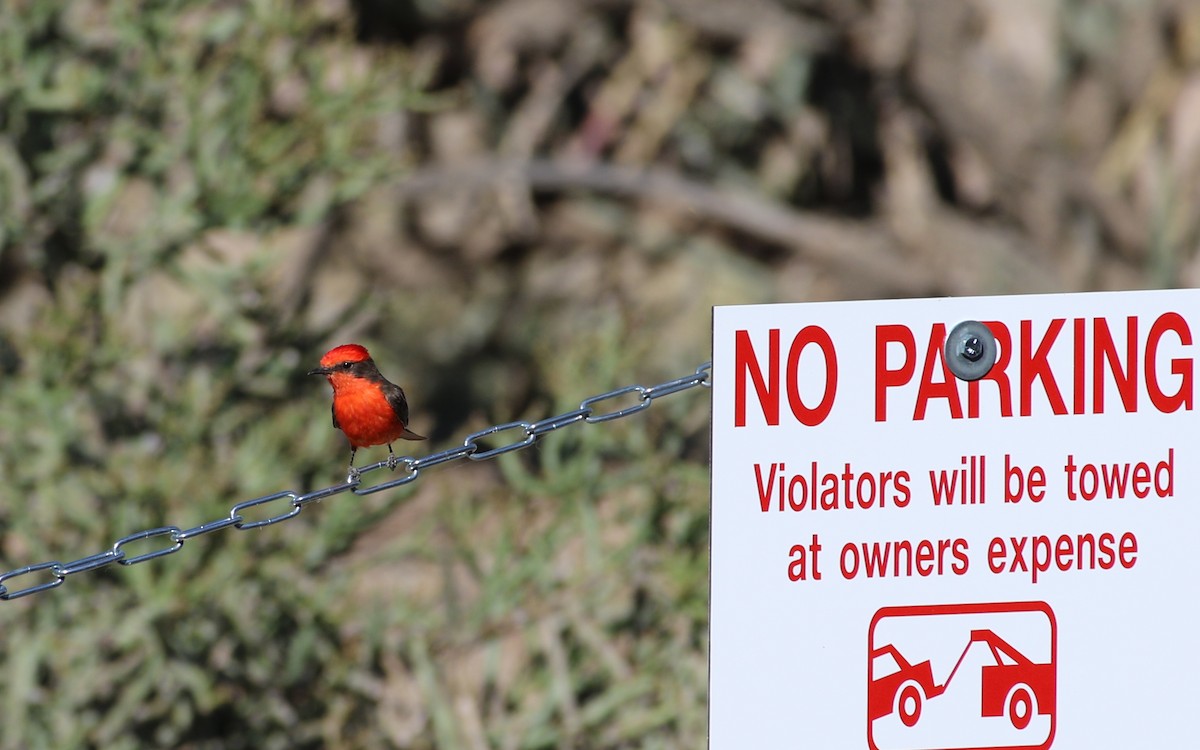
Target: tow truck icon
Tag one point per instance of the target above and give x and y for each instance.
(1014, 685)
(996, 691)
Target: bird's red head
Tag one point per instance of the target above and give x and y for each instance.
(342, 364)
(345, 353)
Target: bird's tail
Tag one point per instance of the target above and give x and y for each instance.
(410, 435)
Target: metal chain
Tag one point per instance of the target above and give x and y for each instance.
(524, 434)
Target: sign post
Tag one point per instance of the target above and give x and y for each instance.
(904, 560)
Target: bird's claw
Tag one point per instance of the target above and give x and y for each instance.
(352, 476)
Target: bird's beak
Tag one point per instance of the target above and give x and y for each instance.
(319, 371)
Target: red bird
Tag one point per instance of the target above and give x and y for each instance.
(367, 407)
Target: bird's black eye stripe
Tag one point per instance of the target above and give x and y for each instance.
(346, 365)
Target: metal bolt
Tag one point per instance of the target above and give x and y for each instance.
(970, 350)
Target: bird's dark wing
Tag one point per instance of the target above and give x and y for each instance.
(395, 398)
(333, 411)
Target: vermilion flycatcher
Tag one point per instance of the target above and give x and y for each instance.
(367, 407)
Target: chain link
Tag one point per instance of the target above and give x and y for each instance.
(287, 504)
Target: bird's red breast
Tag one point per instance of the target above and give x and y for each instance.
(363, 412)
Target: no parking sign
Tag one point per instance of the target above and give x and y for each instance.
(904, 560)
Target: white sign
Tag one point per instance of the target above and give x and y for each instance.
(905, 561)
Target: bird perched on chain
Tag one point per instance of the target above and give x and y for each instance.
(367, 407)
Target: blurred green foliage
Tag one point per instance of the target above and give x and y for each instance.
(166, 171)
(156, 382)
